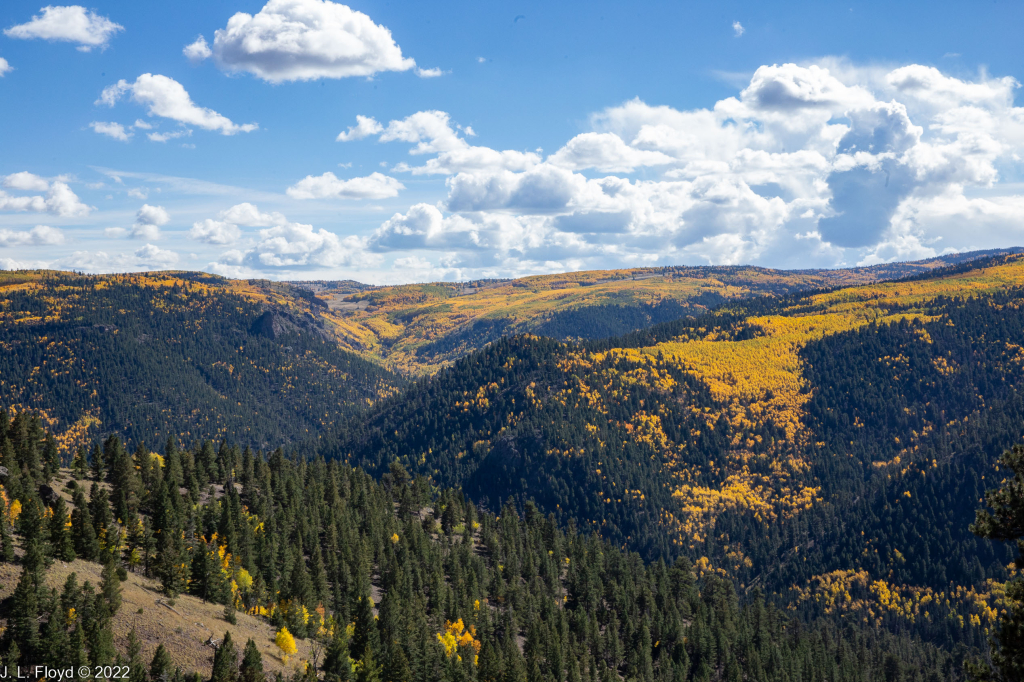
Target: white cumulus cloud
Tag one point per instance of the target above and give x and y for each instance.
(150, 256)
(197, 51)
(40, 235)
(328, 186)
(5, 67)
(299, 246)
(60, 200)
(148, 221)
(432, 133)
(170, 135)
(249, 215)
(214, 232)
(607, 153)
(26, 181)
(114, 130)
(167, 98)
(72, 23)
(364, 127)
(295, 40)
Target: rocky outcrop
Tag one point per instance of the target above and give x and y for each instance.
(275, 323)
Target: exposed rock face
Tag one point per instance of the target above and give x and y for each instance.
(48, 495)
(273, 324)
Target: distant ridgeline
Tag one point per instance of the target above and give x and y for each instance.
(183, 354)
(419, 328)
(829, 447)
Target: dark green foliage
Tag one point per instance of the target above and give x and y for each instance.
(492, 455)
(182, 358)
(61, 540)
(162, 665)
(251, 668)
(224, 661)
(604, 321)
(1004, 521)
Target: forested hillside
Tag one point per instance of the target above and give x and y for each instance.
(200, 356)
(365, 580)
(828, 448)
(774, 486)
(183, 354)
(419, 328)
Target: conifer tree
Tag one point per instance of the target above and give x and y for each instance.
(251, 669)
(60, 532)
(225, 663)
(51, 458)
(99, 469)
(366, 635)
(161, 667)
(337, 666)
(99, 508)
(24, 618)
(83, 532)
(110, 587)
(367, 669)
(79, 465)
(1004, 521)
(6, 538)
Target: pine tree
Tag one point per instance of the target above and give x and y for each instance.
(136, 666)
(318, 576)
(99, 508)
(1005, 522)
(24, 617)
(110, 587)
(490, 665)
(83, 532)
(337, 665)
(225, 662)
(366, 635)
(99, 469)
(251, 669)
(367, 669)
(51, 459)
(33, 530)
(6, 538)
(60, 533)
(79, 465)
(161, 667)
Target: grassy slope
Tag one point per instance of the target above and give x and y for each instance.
(183, 628)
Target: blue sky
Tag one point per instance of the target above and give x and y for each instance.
(503, 139)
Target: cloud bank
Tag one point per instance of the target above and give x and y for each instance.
(825, 164)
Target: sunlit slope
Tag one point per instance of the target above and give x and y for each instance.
(780, 441)
(182, 354)
(761, 380)
(420, 327)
